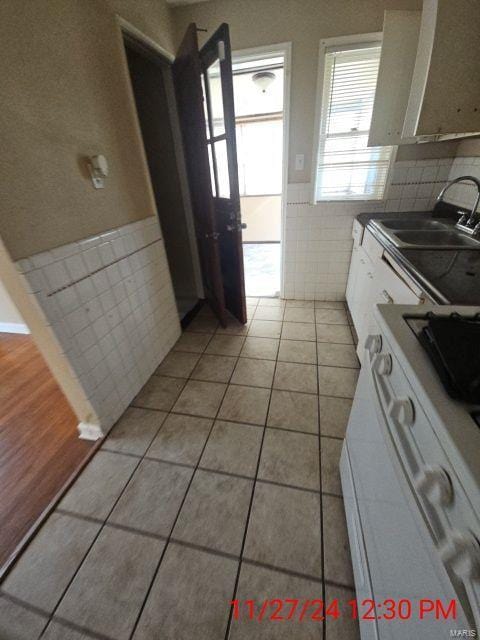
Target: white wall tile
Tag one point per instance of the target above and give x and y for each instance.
(110, 301)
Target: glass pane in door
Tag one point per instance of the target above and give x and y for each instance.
(216, 98)
(222, 169)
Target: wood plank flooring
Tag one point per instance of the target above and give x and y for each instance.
(39, 444)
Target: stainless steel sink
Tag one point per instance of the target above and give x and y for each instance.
(437, 238)
(416, 233)
(412, 224)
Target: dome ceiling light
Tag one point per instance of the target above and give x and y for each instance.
(263, 79)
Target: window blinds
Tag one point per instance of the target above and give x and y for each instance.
(347, 168)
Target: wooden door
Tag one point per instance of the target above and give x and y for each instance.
(217, 87)
(187, 73)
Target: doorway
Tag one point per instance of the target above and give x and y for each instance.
(39, 445)
(153, 91)
(260, 81)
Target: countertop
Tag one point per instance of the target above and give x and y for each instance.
(448, 276)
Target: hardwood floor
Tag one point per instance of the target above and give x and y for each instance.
(39, 444)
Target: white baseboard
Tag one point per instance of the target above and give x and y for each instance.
(89, 431)
(13, 327)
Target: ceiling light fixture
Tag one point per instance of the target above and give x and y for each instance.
(263, 79)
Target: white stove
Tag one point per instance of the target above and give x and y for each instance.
(410, 471)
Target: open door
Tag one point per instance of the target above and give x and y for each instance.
(204, 89)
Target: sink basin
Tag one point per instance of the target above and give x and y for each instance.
(421, 233)
(436, 238)
(412, 224)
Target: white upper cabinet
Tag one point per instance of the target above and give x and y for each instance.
(429, 80)
(397, 61)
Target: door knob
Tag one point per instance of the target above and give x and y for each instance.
(461, 552)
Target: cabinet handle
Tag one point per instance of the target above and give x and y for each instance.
(387, 296)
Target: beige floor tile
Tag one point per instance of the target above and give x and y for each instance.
(290, 458)
(284, 529)
(214, 514)
(98, 487)
(330, 451)
(19, 623)
(203, 325)
(263, 348)
(304, 304)
(214, 368)
(337, 381)
(327, 304)
(206, 312)
(181, 439)
(337, 355)
(192, 342)
(245, 404)
(234, 327)
(271, 302)
(44, 571)
(135, 430)
(190, 597)
(338, 564)
(254, 372)
(299, 314)
(261, 584)
(300, 351)
(265, 328)
(252, 300)
(293, 410)
(290, 376)
(222, 345)
(298, 331)
(250, 311)
(153, 497)
(200, 398)
(334, 415)
(268, 313)
(118, 560)
(177, 364)
(343, 627)
(334, 333)
(233, 448)
(159, 393)
(331, 316)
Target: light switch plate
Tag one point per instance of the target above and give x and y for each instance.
(299, 162)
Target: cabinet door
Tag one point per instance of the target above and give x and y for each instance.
(397, 60)
(444, 97)
(352, 278)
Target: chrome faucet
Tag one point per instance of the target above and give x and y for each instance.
(468, 222)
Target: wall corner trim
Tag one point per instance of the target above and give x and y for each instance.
(89, 431)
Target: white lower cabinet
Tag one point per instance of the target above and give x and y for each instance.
(373, 279)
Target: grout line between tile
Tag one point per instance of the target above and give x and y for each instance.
(239, 568)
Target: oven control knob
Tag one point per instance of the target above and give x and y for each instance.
(373, 343)
(383, 364)
(434, 483)
(402, 410)
(461, 552)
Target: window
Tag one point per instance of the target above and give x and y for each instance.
(347, 169)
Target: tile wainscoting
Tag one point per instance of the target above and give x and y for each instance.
(318, 239)
(110, 302)
(464, 193)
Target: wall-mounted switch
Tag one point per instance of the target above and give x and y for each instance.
(98, 168)
(299, 162)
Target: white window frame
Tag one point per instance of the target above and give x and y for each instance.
(339, 41)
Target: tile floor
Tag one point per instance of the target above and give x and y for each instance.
(220, 482)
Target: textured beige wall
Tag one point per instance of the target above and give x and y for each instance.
(303, 23)
(65, 95)
(469, 147)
